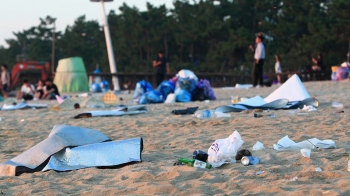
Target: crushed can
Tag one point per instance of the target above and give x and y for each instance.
(250, 160)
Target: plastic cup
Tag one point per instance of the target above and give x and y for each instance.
(305, 152)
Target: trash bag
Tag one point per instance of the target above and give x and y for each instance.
(141, 87)
(182, 95)
(186, 84)
(187, 80)
(187, 74)
(224, 150)
(166, 87)
(203, 91)
(151, 97)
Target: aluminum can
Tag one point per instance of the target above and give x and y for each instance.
(250, 160)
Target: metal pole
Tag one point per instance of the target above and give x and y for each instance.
(53, 49)
(111, 59)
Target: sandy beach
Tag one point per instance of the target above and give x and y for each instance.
(168, 137)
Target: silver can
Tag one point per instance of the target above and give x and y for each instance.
(250, 160)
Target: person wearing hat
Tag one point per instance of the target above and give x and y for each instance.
(259, 58)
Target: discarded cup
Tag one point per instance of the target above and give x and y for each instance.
(266, 115)
(250, 160)
(305, 152)
(234, 99)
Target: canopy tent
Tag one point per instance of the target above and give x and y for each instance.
(71, 75)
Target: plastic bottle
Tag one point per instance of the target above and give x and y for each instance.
(202, 114)
(349, 163)
(195, 163)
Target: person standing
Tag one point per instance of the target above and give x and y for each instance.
(278, 69)
(5, 81)
(162, 67)
(259, 58)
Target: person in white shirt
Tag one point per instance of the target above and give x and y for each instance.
(259, 58)
(278, 69)
(27, 91)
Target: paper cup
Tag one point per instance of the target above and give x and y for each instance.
(305, 152)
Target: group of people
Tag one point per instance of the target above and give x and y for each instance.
(43, 90)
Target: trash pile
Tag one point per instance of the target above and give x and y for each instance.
(184, 87)
(291, 95)
(222, 151)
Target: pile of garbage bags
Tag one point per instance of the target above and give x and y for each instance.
(184, 87)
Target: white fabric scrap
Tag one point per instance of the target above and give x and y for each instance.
(286, 143)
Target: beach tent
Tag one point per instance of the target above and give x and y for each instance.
(71, 75)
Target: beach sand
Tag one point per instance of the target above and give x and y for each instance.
(168, 137)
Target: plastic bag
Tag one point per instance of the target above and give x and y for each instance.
(166, 87)
(187, 80)
(203, 91)
(224, 150)
(151, 97)
(258, 146)
(182, 95)
(186, 84)
(141, 87)
(184, 73)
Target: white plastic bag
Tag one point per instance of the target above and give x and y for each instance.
(224, 150)
(258, 146)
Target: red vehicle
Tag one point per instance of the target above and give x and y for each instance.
(30, 69)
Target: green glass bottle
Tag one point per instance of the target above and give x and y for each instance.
(195, 163)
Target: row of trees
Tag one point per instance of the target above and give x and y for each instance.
(204, 35)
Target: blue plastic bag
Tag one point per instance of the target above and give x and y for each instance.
(151, 97)
(187, 84)
(182, 95)
(165, 88)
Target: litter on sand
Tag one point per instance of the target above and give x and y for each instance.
(130, 110)
(286, 143)
(69, 148)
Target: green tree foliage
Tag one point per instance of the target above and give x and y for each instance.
(201, 35)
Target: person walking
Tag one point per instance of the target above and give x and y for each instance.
(259, 58)
(278, 69)
(5, 81)
(162, 67)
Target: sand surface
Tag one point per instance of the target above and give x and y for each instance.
(168, 137)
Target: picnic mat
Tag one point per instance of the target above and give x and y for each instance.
(71, 147)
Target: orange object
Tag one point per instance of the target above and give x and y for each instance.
(335, 68)
(29, 65)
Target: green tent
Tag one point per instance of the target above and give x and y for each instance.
(71, 75)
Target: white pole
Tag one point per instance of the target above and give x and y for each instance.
(111, 59)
